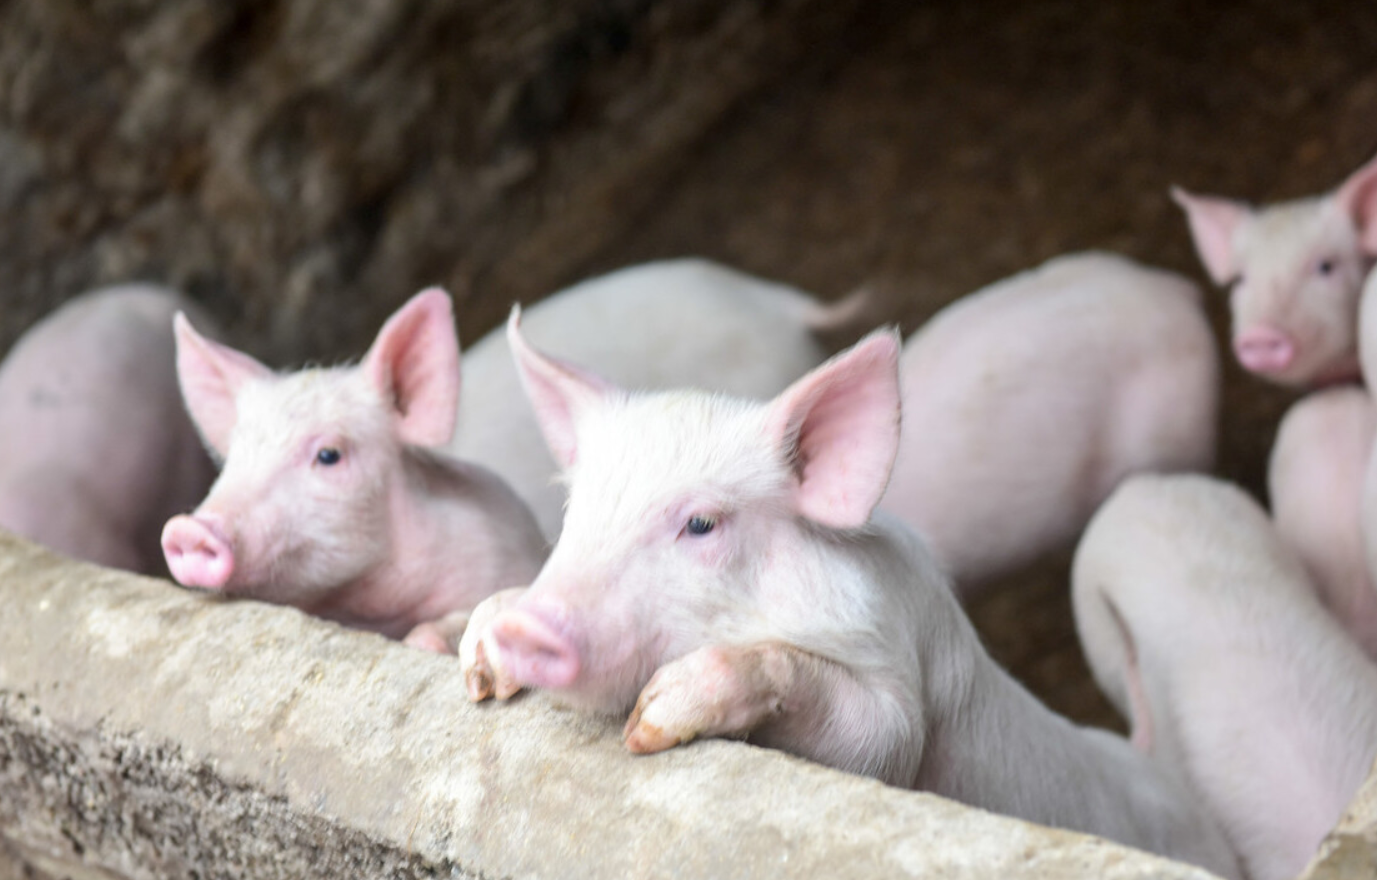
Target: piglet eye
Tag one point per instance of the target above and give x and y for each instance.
(700, 525)
(1325, 267)
(328, 455)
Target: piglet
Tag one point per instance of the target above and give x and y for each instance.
(719, 574)
(1296, 270)
(1315, 479)
(1028, 401)
(95, 450)
(332, 499)
(1201, 626)
(667, 324)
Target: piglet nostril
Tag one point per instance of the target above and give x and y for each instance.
(534, 649)
(1264, 349)
(197, 554)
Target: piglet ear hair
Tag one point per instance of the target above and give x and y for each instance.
(1357, 196)
(559, 392)
(838, 427)
(1214, 221)
(210, 376)
(414, 365)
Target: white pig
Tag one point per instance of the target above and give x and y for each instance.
(1315, 481)
(95, 449)
(330, 499)
(1028, 401)
(1296, 269)
(1201, 626)
(719, 569)
(667, 324)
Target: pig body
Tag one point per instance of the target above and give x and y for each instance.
(1027, 402)
(1315, 479)
(719, 574)
(332, 499)
(667, 324)
(1296, 268)
(95, 449)
(1200, 625)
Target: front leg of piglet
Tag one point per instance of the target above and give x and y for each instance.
(479, 658)
(438, 636)
(725, 690)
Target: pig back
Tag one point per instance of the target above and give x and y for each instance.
(1025, 403)
(1253, 691)
(93, 426)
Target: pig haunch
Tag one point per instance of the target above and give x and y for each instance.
(720, 574)
(95, 450)
(332, 499)
(1201, 626)
(1296, 268)
(1028, 401)
(666, 324)
(1315, 479)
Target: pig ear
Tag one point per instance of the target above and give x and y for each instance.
(414, 364)
(1213, 223)
(559, 392)
(210, 376)
(839, 428)
(1358, 198)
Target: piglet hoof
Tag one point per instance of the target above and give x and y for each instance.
(484, 676)
(714, 691)
(427, 637)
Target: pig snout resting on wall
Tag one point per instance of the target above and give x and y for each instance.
(1296, 270)
(1028, 401)
(330, 499)
(719, 574)
(95, 449)
(668, 324)
(1315, 480)
(1200, 625)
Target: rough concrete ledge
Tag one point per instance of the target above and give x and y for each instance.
(150, 732)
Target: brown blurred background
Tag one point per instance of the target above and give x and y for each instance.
(301, 166)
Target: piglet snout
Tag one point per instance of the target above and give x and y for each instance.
(198, 555)
(536, 647)
(1264, 349)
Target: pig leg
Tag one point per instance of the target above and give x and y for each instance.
(726, 690)
(438, 636)
(1113, 655)
(478, 655)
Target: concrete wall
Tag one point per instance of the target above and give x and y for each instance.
(146, 731)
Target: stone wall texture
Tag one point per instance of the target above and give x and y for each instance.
(146, 731)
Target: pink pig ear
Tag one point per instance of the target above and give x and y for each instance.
(414, 364)
(559, 392)
(210, 376)
(839, 427)
(1358, 197)
(1213, 223)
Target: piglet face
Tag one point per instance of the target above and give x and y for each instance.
(302, 503)
(1296, 270)
(692, 518)
(313, 460)
(663, 544)
(1295, 302)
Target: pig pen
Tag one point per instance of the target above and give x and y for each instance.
(302, 166)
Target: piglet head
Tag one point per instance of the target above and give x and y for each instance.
(1296, 269)
(692, 517)
(302, 508)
